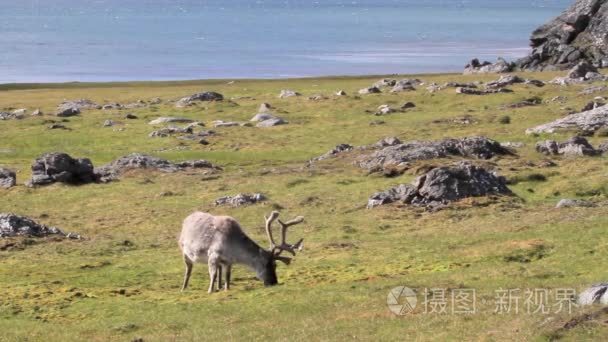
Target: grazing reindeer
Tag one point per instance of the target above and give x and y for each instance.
(220, 241)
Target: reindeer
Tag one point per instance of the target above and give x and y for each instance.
(220, 242)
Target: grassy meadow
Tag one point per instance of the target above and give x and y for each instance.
(122, 282)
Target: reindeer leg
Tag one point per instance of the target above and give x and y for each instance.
(212, 263)
(228, 271)
(219, 276)
(188, 263)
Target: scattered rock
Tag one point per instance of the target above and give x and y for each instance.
(112, 106)
(571, 203)
(288, 93)
(206, 96)
(370, 90)
(169, 119)
(408, 105)
(333, 152)
(384, 83)
(470, 91)
(156, 100)
(20, 112)
(433, 88)
(388, 141)
(221, 123)
(341, 93)
(15, 225)
(317, 98)
(384, 109)
(534, 101)
(592, 90)
(459, 85)
(67, 111)
(37, 112)
(60, 167)
(469, 147)
(504, 81)
(8, 178)
(589, 121)
(401, 87)
(596, 294)
(578, 34)
(475, 67)
(442, 185)
(271, 122)
(113, 170)
(168, 131)
(573, 147)
(240, 199)
(262, 116)
(74, 107)
(130, 116)
(9, 116)
(592, 105)
(108, 123)
(582, 72)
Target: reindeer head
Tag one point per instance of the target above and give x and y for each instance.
(269, 274)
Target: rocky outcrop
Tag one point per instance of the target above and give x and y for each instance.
(476, 67)
(8, 178)
(113, 170)
(442, 185)
(74, 107)
(333, 152)
(573, 147)
(240, 199)
(471, 91)
(579, 34)
(589, 121)
(199, 97)
(580, 73)
(169, 119)
(384, 109)
(14, 225)
(395, 155)
(60, 167)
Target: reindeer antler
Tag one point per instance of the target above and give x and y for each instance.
(284, 246)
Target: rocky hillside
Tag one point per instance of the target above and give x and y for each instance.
(579, 33)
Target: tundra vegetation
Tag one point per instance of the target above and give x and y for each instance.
(121, 279)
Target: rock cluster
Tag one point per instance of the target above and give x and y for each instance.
(15, 225)
(60, 167)
(442, 185)
(240, 199)
(8, 178)
(579, 34)
(470, 147)
(74, 107)
(476, 67)
(589, 121)
(113, 170)
(573, 147)
(199, 97)
(582, 72)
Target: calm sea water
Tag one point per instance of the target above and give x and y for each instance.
(102, 40)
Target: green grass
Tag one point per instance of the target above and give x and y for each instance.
(122, 281)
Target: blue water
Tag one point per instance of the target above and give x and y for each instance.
(104, 40)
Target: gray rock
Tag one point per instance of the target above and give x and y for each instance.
(573, 147)
(579, 34)
(156, 100)
(221, 123)
(442, 185)
(113, 170)
(20, 112)
(475, 67)
(168, 131)
(37, 112)
(272, 122)
(401, 87)
(340, 93)
(8, 178)
(112, 106)
(592, 90)
(14, 225)
(74, 107)
(589, 121)
(60, 167)
(169, 119)
(384, 83)
(108, 123)
(370, 90)
(333, 152)
(572, 203)
(596, 294)
(9, 116)
(592, 105)
(504, 81)
(581, 69)
(288, 93)
(262, 117)
(469, 147)
(470, 91)
(459, 85)
(388, 141)
(384, 109)
(206, 96)
(240, 199)
(67, 111)
(265, 108)
(433, 88)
